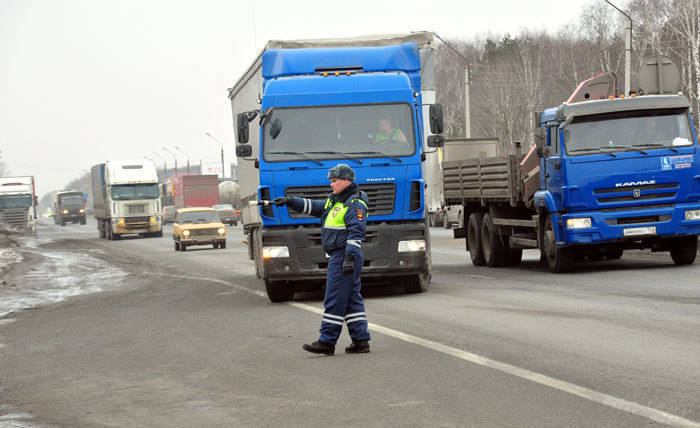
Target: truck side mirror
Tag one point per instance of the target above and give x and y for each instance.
(244, 150)
(242, 128)
(436, 141)
(436, 121)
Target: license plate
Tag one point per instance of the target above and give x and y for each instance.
(634, 231)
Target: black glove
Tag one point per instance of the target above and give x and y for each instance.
(280, 201)
(348, 265)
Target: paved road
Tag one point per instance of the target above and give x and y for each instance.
(190, 339)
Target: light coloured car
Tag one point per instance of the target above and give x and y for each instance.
(169, 212)
(198, 226)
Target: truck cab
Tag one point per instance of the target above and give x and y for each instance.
(319, 107)
(18, 203)
(621, 173)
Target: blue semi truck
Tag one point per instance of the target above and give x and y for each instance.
(317, 103)
(605, 175)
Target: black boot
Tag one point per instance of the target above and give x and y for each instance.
(358, 347)
(320, 348)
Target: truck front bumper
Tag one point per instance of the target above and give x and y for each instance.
(630, 225)
(131, 228)
(308, 261)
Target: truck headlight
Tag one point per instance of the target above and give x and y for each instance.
(275, 252)
(120, 221)
(185, 233)
(411, 246)
(82, 210)
(153, 219)
(578, 223)
(222, 231)
(65, 211)
(692, 214)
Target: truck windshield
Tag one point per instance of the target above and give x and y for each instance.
(135, 191)
(628, 131)
(341, 132)
(72, 202)
(15, 201)
(199, 217)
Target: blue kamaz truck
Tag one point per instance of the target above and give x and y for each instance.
(305, 106)
(605, 175)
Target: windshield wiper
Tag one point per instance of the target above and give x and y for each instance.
(302, 154)
(345, 155)
(656, 145)
(376, 153)
(599, 149)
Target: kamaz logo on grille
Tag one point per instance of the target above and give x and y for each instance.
(636, 193)
(635, 183)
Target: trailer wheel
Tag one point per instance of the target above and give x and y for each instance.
(494, 251)
(684, 250)
(279, 291)
(559, 260)
(474, 239)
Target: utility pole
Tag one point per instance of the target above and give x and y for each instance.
(628, 49)
(187, 157)
(174, 157)
(223, 171)
(467, 119)
(467, 79)
(165, 165)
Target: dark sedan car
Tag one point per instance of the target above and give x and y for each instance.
(169, 212)
(228, 214)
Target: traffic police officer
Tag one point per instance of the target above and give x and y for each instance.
(343, 219)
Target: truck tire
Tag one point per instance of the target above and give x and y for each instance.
(279, 291)
(494, 251)
(613, 254)
(259, 267)
(559, 260)
(684, 250)
(445, 221)
(474, 239)
(431, 220)
(63, 222)
(416, 283)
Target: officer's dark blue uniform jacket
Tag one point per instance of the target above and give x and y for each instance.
(354, 204)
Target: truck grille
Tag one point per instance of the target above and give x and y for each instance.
(646, 193)
(136, 219)
(136, 209)
(14, 216)
(381, 197)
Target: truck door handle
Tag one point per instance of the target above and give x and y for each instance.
(557, 165)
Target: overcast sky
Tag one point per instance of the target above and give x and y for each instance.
(84, 81)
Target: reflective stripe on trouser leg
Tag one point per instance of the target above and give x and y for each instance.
(342, 293)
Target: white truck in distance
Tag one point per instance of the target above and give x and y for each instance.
(18, 203)
(126, 199)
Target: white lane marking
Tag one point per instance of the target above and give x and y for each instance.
(480, 276)
(568, 387)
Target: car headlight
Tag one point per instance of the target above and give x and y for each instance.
(275, 252)
(65, 211)
(578, 223)
(692, 214)
(222, 231)
(185, 233)
(411, 246)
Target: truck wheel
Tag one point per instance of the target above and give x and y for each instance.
(559, 260)
(614, 254)
(416, 283)
(108, 230)
(494, 251)
(474, 239)
(257, 242)
(279, 291)
(684, 250)
(445, 221)
(63, 222)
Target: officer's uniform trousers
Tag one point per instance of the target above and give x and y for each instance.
(343, 302)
